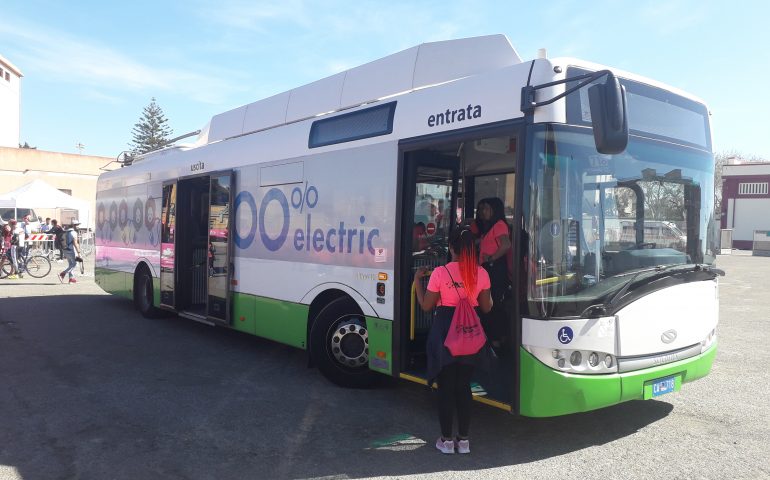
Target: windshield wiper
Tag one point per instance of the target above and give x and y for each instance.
(603, 308)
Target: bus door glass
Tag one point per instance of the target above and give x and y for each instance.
(430, 201)
(168, 246)
(220, 248)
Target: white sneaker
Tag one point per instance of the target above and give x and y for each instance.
(445, 446)
(463, 446)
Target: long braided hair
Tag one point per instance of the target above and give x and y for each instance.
(462, 242)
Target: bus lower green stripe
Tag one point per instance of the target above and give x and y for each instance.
(546, 392)
(115, 282)
(380, 345)
(633, 383)
(277, 320)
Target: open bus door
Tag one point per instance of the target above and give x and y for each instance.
(460, 171)
(168, 247)
(196, 255)
(430, 203)
(220, 251)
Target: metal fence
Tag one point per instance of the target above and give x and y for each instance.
(761, 244)
(726, 241)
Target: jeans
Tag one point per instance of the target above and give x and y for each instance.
(70, 256)
(14, 260)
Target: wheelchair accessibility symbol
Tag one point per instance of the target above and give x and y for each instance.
(565, 335)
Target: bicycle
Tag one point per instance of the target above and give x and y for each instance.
(37, 266)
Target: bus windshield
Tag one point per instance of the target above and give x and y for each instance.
(596, 220)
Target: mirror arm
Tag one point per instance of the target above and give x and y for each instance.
(528, 103)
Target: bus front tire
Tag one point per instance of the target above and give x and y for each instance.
(144, 294)
(339, 345)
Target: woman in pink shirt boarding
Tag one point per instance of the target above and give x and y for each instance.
(495, 256)
(460, 278)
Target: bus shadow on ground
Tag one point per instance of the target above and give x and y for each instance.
(94, 390)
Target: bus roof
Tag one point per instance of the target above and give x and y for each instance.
(455, 64)
(417, 67)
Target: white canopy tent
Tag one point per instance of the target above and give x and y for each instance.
(38, 194)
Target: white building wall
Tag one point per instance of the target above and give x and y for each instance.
(750, 214)
(10, 104)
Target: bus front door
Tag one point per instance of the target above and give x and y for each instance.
(443, 182)
(429, 211)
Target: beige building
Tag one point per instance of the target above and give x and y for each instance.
(10, 103)
(71, 173)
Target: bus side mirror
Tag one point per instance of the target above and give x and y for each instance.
(609, 115)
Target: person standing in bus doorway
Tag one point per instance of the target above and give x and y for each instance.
(494, 247)
(453, 373)
(71, 252)
(442, 215)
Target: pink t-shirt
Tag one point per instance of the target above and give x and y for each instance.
(441, 282)
(489, 242)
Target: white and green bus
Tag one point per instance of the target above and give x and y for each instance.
(302, 217)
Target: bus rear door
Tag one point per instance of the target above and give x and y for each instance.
(220, 256)
(196, 247)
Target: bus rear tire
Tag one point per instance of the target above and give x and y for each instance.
(144, 294)
(339, 345)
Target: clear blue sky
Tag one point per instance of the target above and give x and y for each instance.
(90, 67)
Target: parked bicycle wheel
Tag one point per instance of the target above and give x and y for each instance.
(38, 266)
(5, 267)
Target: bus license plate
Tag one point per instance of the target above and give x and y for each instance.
(663, 386)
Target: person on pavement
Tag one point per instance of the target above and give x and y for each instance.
(71, 252)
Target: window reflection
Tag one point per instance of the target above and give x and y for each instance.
(596, 218)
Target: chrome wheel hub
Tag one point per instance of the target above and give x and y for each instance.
(350, 344)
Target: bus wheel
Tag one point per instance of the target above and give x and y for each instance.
(339, 345)
(143, 294)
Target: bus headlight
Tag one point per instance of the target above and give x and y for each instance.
(608, 361)
(593, 359)
(576, 358)
(575, 361)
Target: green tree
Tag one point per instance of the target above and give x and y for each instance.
(151, 132)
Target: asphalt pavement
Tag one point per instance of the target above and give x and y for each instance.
(92, 390)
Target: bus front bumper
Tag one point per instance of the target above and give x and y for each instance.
(547, 393)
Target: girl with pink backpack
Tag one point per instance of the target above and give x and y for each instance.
(456, 341)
